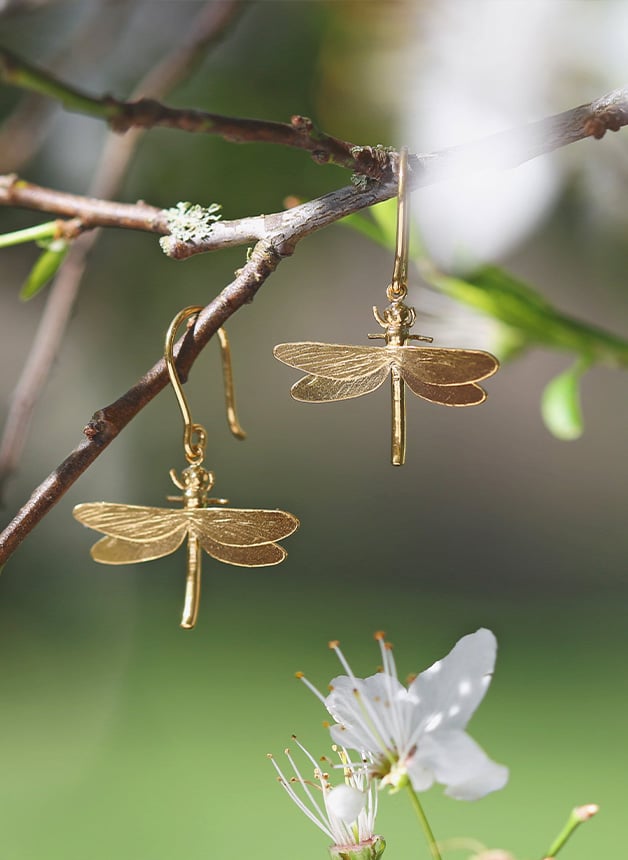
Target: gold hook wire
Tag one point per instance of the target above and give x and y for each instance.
(399, 285)
(195, 449)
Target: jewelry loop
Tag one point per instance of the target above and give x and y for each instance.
(195, 448)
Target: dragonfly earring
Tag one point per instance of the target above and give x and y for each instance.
(445, 376)
(232, 535)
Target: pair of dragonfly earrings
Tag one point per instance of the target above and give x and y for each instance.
(248, 537)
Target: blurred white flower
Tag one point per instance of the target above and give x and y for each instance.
(416, 734)
(345, 812)
(487, 66)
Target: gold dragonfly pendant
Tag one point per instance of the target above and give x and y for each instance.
(238, 536)
(337, 372)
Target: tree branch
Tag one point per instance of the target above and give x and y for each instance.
(91, 211)
(512, 147)
(610, 112)
(499, 151)
(276, 236)
(300, 133)
(107, 423)
(24, 130)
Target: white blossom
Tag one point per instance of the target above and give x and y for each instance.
(344, 812)
(417, 733)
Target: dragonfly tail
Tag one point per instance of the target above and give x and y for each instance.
(192, 584)
(398, 446)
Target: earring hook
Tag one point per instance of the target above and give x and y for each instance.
(399, 285)
(195, 448)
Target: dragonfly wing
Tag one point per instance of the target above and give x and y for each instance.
(334, 361)
(132, 522)
(260, 555)
(109, 550)
(239, 527)
(447, 395)
(443, 366)
(321, 389)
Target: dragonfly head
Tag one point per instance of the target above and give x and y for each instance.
(196, 482)
(397, 319)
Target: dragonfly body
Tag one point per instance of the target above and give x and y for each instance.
(397, 320)
(133, 533)
(338, 372)
(195, 482)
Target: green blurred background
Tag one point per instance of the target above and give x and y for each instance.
(123, 736)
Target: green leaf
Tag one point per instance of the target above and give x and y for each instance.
(45, 268)
(496, 293)
(560, 403)
(366, 226)
(529, 318)
(380, 226)
(385, 216)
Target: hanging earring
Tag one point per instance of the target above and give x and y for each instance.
(232, 535)
(445, 376)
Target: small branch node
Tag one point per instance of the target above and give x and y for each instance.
(301, 123)
(69, 229)
(97, 428)
(610, 120)
(319, 156)
(376, 162)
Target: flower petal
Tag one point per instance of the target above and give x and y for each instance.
(458, 763)
(449, 691)
(370, 711)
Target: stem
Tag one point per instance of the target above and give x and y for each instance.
(427, 830)
(30, 234)
(577, 816)
(22, 74)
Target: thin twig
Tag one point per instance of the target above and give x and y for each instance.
(24, 130)
(92, 212)
(149, 113)
(107, 423)
(208, 26)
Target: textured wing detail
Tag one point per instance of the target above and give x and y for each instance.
(239, 527)
(334, 361)
(447, 395)
(132, 522)
(109, 550)
(443, 366)
(260, 555)
(321, 389)
(335, 372)
(134, 533)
